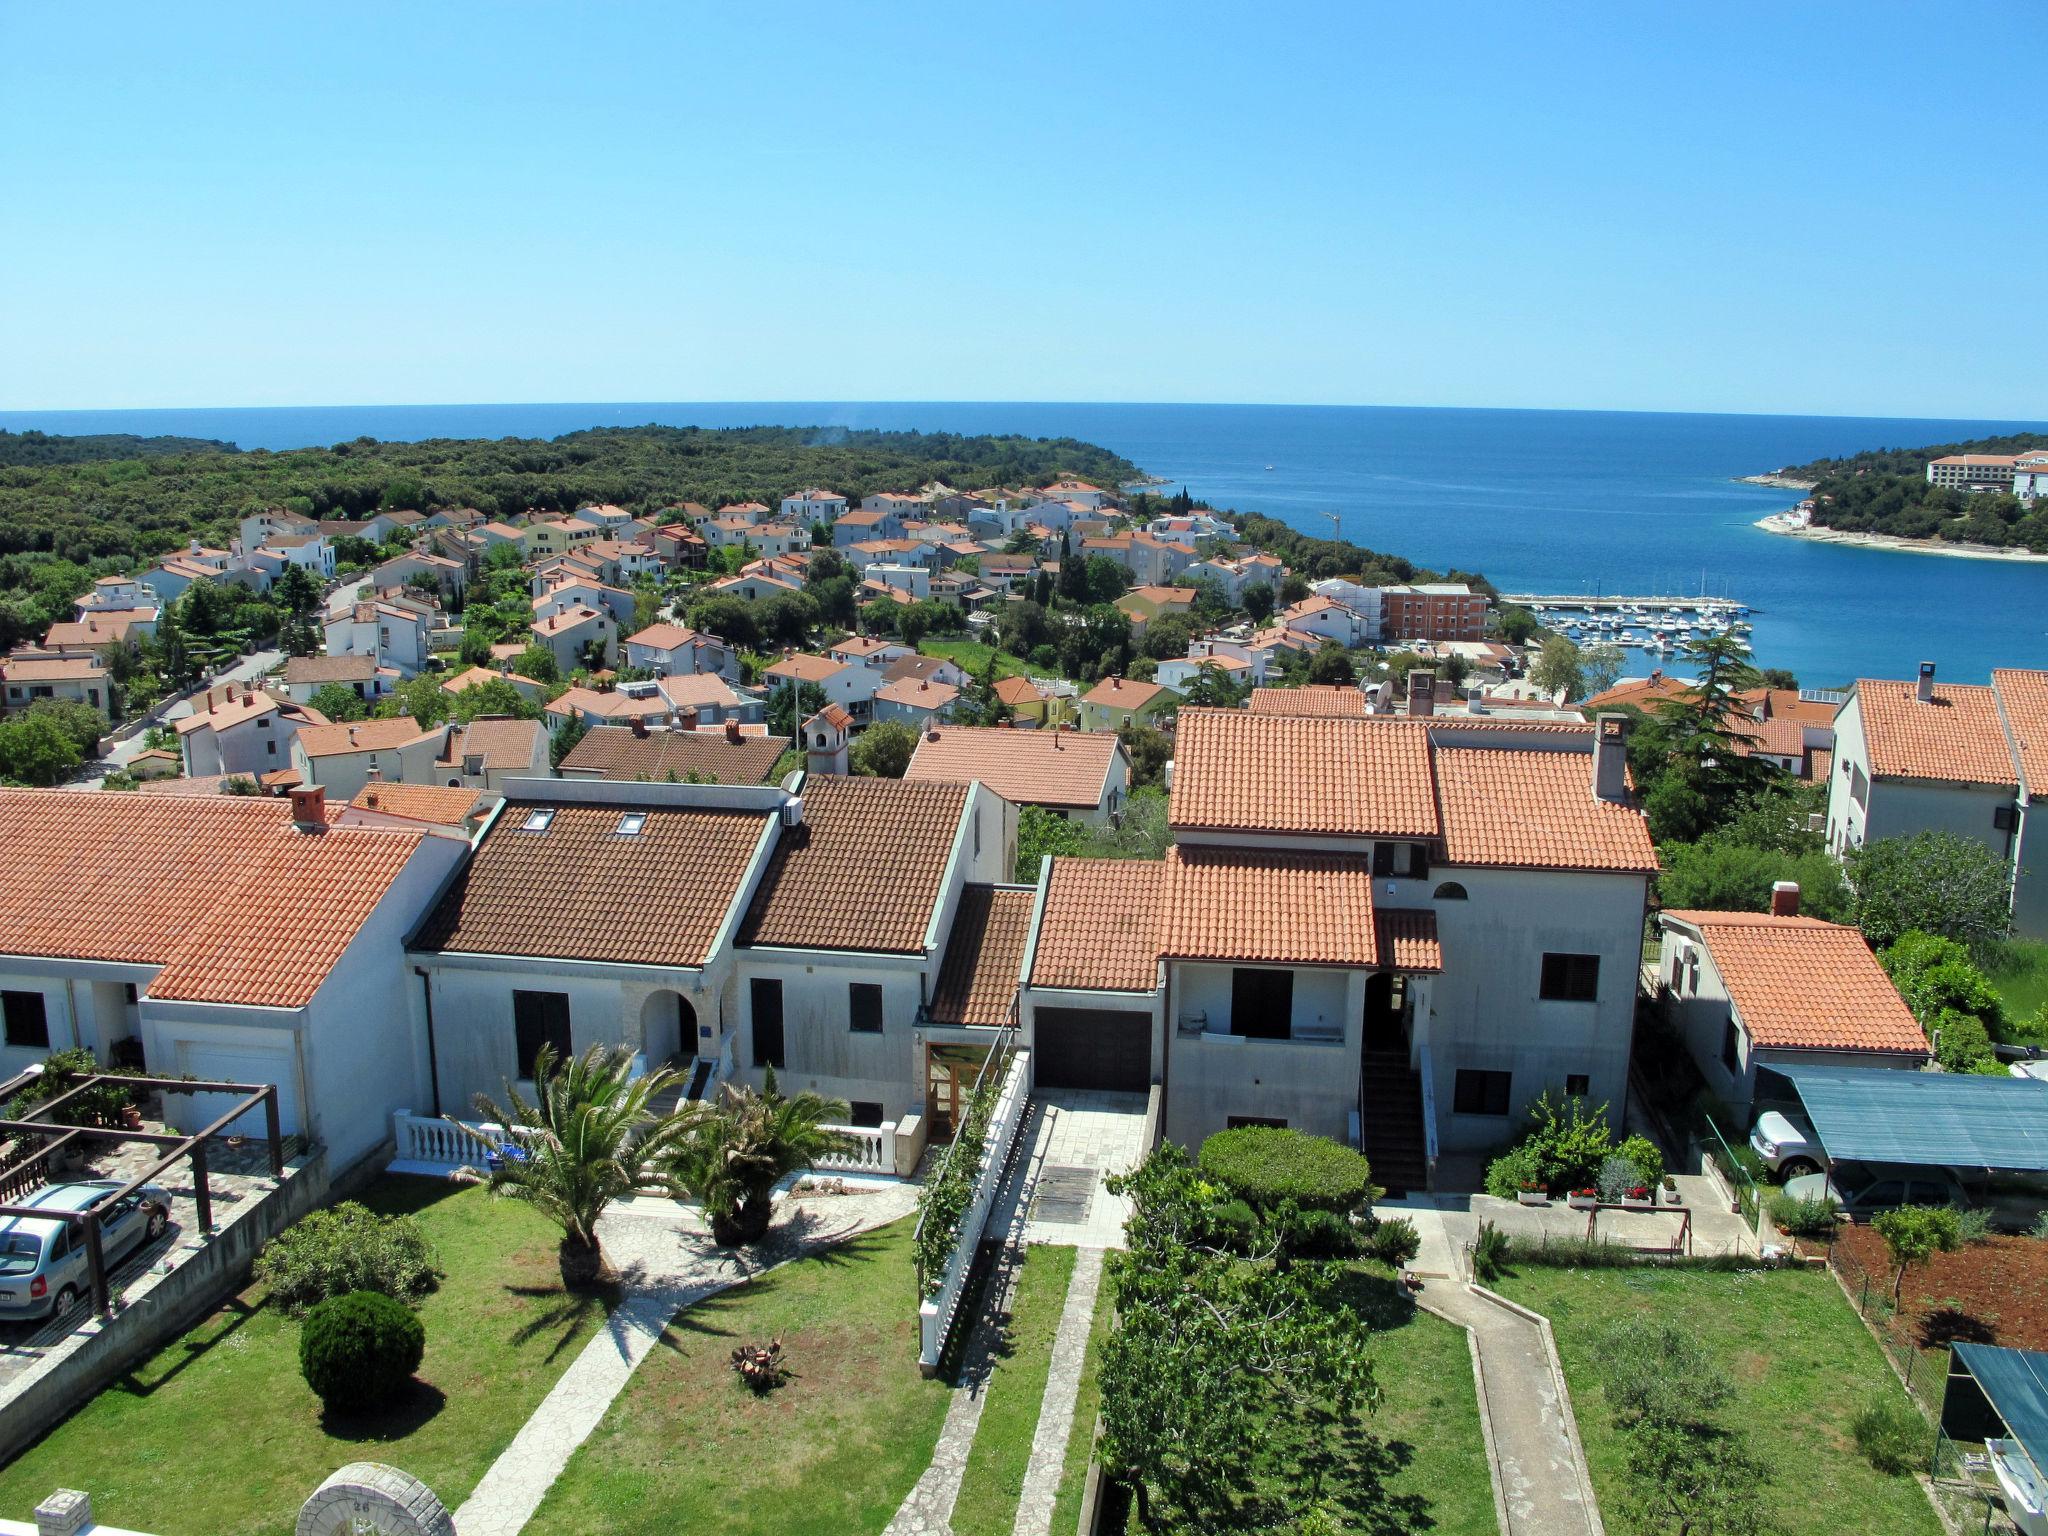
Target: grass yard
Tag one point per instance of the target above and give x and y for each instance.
(1016, 1391)
(831, 1453)
(2021, 977)
(217, 1434)
(1801, 1361)
(1066, 1515)
(971, 656)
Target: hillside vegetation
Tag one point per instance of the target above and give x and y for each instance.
(38, 448)
(1885, 491)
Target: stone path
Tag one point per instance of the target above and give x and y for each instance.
(666, 1261)
(1062, 1387)
(1088, 1135)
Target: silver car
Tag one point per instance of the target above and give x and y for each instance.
(44, 1268)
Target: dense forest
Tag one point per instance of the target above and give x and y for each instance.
(1885, 491)
(38, 448)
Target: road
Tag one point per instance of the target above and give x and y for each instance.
(94, 774)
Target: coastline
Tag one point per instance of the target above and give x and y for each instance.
(1785, 525)
(1777, 482)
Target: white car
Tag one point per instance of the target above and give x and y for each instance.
(1786, 1144)
(2037, 1069)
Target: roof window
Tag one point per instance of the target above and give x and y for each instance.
(632, 823)
(538, 820)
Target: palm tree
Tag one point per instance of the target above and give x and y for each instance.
(730, 1156)
(588, 1139)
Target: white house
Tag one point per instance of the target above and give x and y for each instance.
(305, 676)
(240, 732)
(1082, 776)
(342, 758)
(675, 648)
(394, 632)
(813, 506)
(492, 750)
(26, 676)
(568, 634)
(1323, 620)
(852, 688)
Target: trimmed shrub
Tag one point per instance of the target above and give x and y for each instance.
(1892, 1437)
(1316, 1234)
(1506, 1174)
(348, 1247)
(359, 1351)
(1619, 1176)
(1394, 1242)
(1811, 1217)
(1237, 1227)
(1264, 1165)
(1648, 1158)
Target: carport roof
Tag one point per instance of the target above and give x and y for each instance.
(2015, 1381)
(1934, 1119)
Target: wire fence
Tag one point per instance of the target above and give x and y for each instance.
(1736, 1171)
(1924, 1366)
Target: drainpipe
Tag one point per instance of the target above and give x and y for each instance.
(433, 1061)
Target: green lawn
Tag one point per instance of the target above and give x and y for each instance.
(831, 1453)
(217, 1434)
(971, 656)
(1016, 1391)
(2022, 978)
(1801, 1361)
(1066, 1514)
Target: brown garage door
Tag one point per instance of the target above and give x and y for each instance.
(1100, 1048)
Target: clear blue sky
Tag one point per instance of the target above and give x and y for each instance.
(1726, 206)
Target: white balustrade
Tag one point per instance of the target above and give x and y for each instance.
(937, 1315)
(441, 1143)
(864, 1149)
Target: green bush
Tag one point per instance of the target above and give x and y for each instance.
(61, 1072)
(346, 1248)
(1811, 1217)
(1973, 1224)
(1316, 1234)
(1892, 1437)
(1965, 1043)
(1570, 1139)
(1489, 1252)
(1237, 1226)
(359, 1351)
(1264, 1165)
(1648, 1158)
(1394, 1242)
(1507, 1174)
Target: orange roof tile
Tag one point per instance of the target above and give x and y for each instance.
(1123, 693)
(1240, 772)
(1408, 940)
(360, 736)
(501, 744)
(863, 869)
(918, 693)
(443, 804)
(1250, 905)
(614, 752)
(2025, 697)
(1018, 690)
(1957, 737)
(1800, 983)
(1060, 768)
(1326, 699)
(1535, 810)
(977, 981)
(1100, 929)
(807, 669)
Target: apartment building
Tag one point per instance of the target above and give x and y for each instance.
(1440, 610)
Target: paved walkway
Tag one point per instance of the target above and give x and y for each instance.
(1062, 1388)
(666, 1261)
(1077, 1138)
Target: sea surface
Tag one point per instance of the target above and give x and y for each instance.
(1542, 501)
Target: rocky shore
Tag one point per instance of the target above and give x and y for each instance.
(1791, 525)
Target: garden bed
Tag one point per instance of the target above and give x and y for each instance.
(2000, 1283)
(218, 1435)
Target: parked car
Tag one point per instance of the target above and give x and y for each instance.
(1862, 1190)
(1786, 1144)
(44, 1269)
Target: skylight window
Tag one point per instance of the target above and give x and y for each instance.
(631, 824)
(538, 820)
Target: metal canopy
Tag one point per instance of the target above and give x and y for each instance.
(2015, 1383)
(1938, 1119)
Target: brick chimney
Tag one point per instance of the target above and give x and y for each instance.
(732, 729)
(309, 808)
(1610, 758)
(1785, 899)
(640, 726)
(1421, 693)
(1925, 691)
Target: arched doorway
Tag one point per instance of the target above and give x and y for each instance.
(668, 1028)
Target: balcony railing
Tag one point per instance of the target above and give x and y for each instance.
(868, 1149)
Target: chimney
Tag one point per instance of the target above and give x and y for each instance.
(1925, 692)
(1785, 899)
(640, 726)
(1421, 693)
(374, 776)
(1610, 758)
(309, 808)
(732, 729)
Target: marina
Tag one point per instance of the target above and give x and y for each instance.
(1659, 626)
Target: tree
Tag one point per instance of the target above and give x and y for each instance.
(588, 1140)
(883, 750)
(493, 696)
(1779, 677)
(787, 618)
(1333, 664)
(1258, 602)
(1043, 834)
(1021, 627)
(1149, 749)
(1518, 625)
(1106, 579)
(1717, 875)
(1600, 667)
(790, 705)
(1937, 882)
(1914, 1234)
(728, 617)
(835, 597)
(1167, 637)
(421, 697)
(1697, 736)
(1073, 578)
(338, 701)
(538, 664)
(1213, 688)
(1557, 668)
(564, 740)
(36, 749)
(731, 1155)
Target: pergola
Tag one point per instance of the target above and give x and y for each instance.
(32, 1171)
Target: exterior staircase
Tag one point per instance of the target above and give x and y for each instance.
(686, 1086)
(1390, 1122)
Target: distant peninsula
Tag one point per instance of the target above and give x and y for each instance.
(1979, 500)
(40, 448)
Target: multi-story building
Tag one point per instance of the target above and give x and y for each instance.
(1437, 610)
(1990, 471)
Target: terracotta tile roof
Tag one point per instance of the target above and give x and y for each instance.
(502, 744)
(582, 890)
(360, 736)
(614, 752)
(1061, 768)
(443, 804)
(834, 716)
(1779, 736)
(476, 677)
(977, 981)
(1100, 929)
(1957, 737)
(862, 871)
(1535, 810)
(861, 645)
(1819, 764)
(1018, 690)
(51, 669)
(230, 711)
(1236, 771)
(1123, 693)
(1801, 983)
(2025, 697)
(1325, 699)
(914, 667)
(105, 626)
(234, 902)
(607, 706)
(663, 637)
(317, 670)
(696, 690)
(918, 693)
(1407, 940)
(807, 669)
(1250, 905)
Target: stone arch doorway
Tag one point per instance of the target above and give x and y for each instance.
(668, 1028)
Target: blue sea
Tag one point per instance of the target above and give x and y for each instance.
(1545, 501)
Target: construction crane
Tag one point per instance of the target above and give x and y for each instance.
(1336, 524)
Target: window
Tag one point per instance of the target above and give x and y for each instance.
(537, 821)
(864, 1008)
(1731, 1047)
(1239, 1122)
(1450, 890)
(867, 1113)
(1261, 1003)
(632, 824)
(766, 996)
(538, 1019)
(128, 993)
(1571, 978)
(1577, 1085)
(1407, 861)
(27, 1022)
(1481, 1093)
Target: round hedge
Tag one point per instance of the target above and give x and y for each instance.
(1264, 1165)
(360, 1350)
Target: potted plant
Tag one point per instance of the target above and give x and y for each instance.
(1532, 1193)
(1583, 1199)
(1671, 1195)
(1639, 1197)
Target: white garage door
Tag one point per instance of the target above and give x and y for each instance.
(216, 1063)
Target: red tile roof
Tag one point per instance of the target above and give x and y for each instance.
(443, 804)
(1956, 737)
(1100, 931)
(1800, 983)
(1056, 768)
(1123, 693)
(1250, 905)
(615, 752)
(1535, 810)
(977, 981)
(1240, 772)
(2025, 697)
(1326, 699)
(360, 736)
